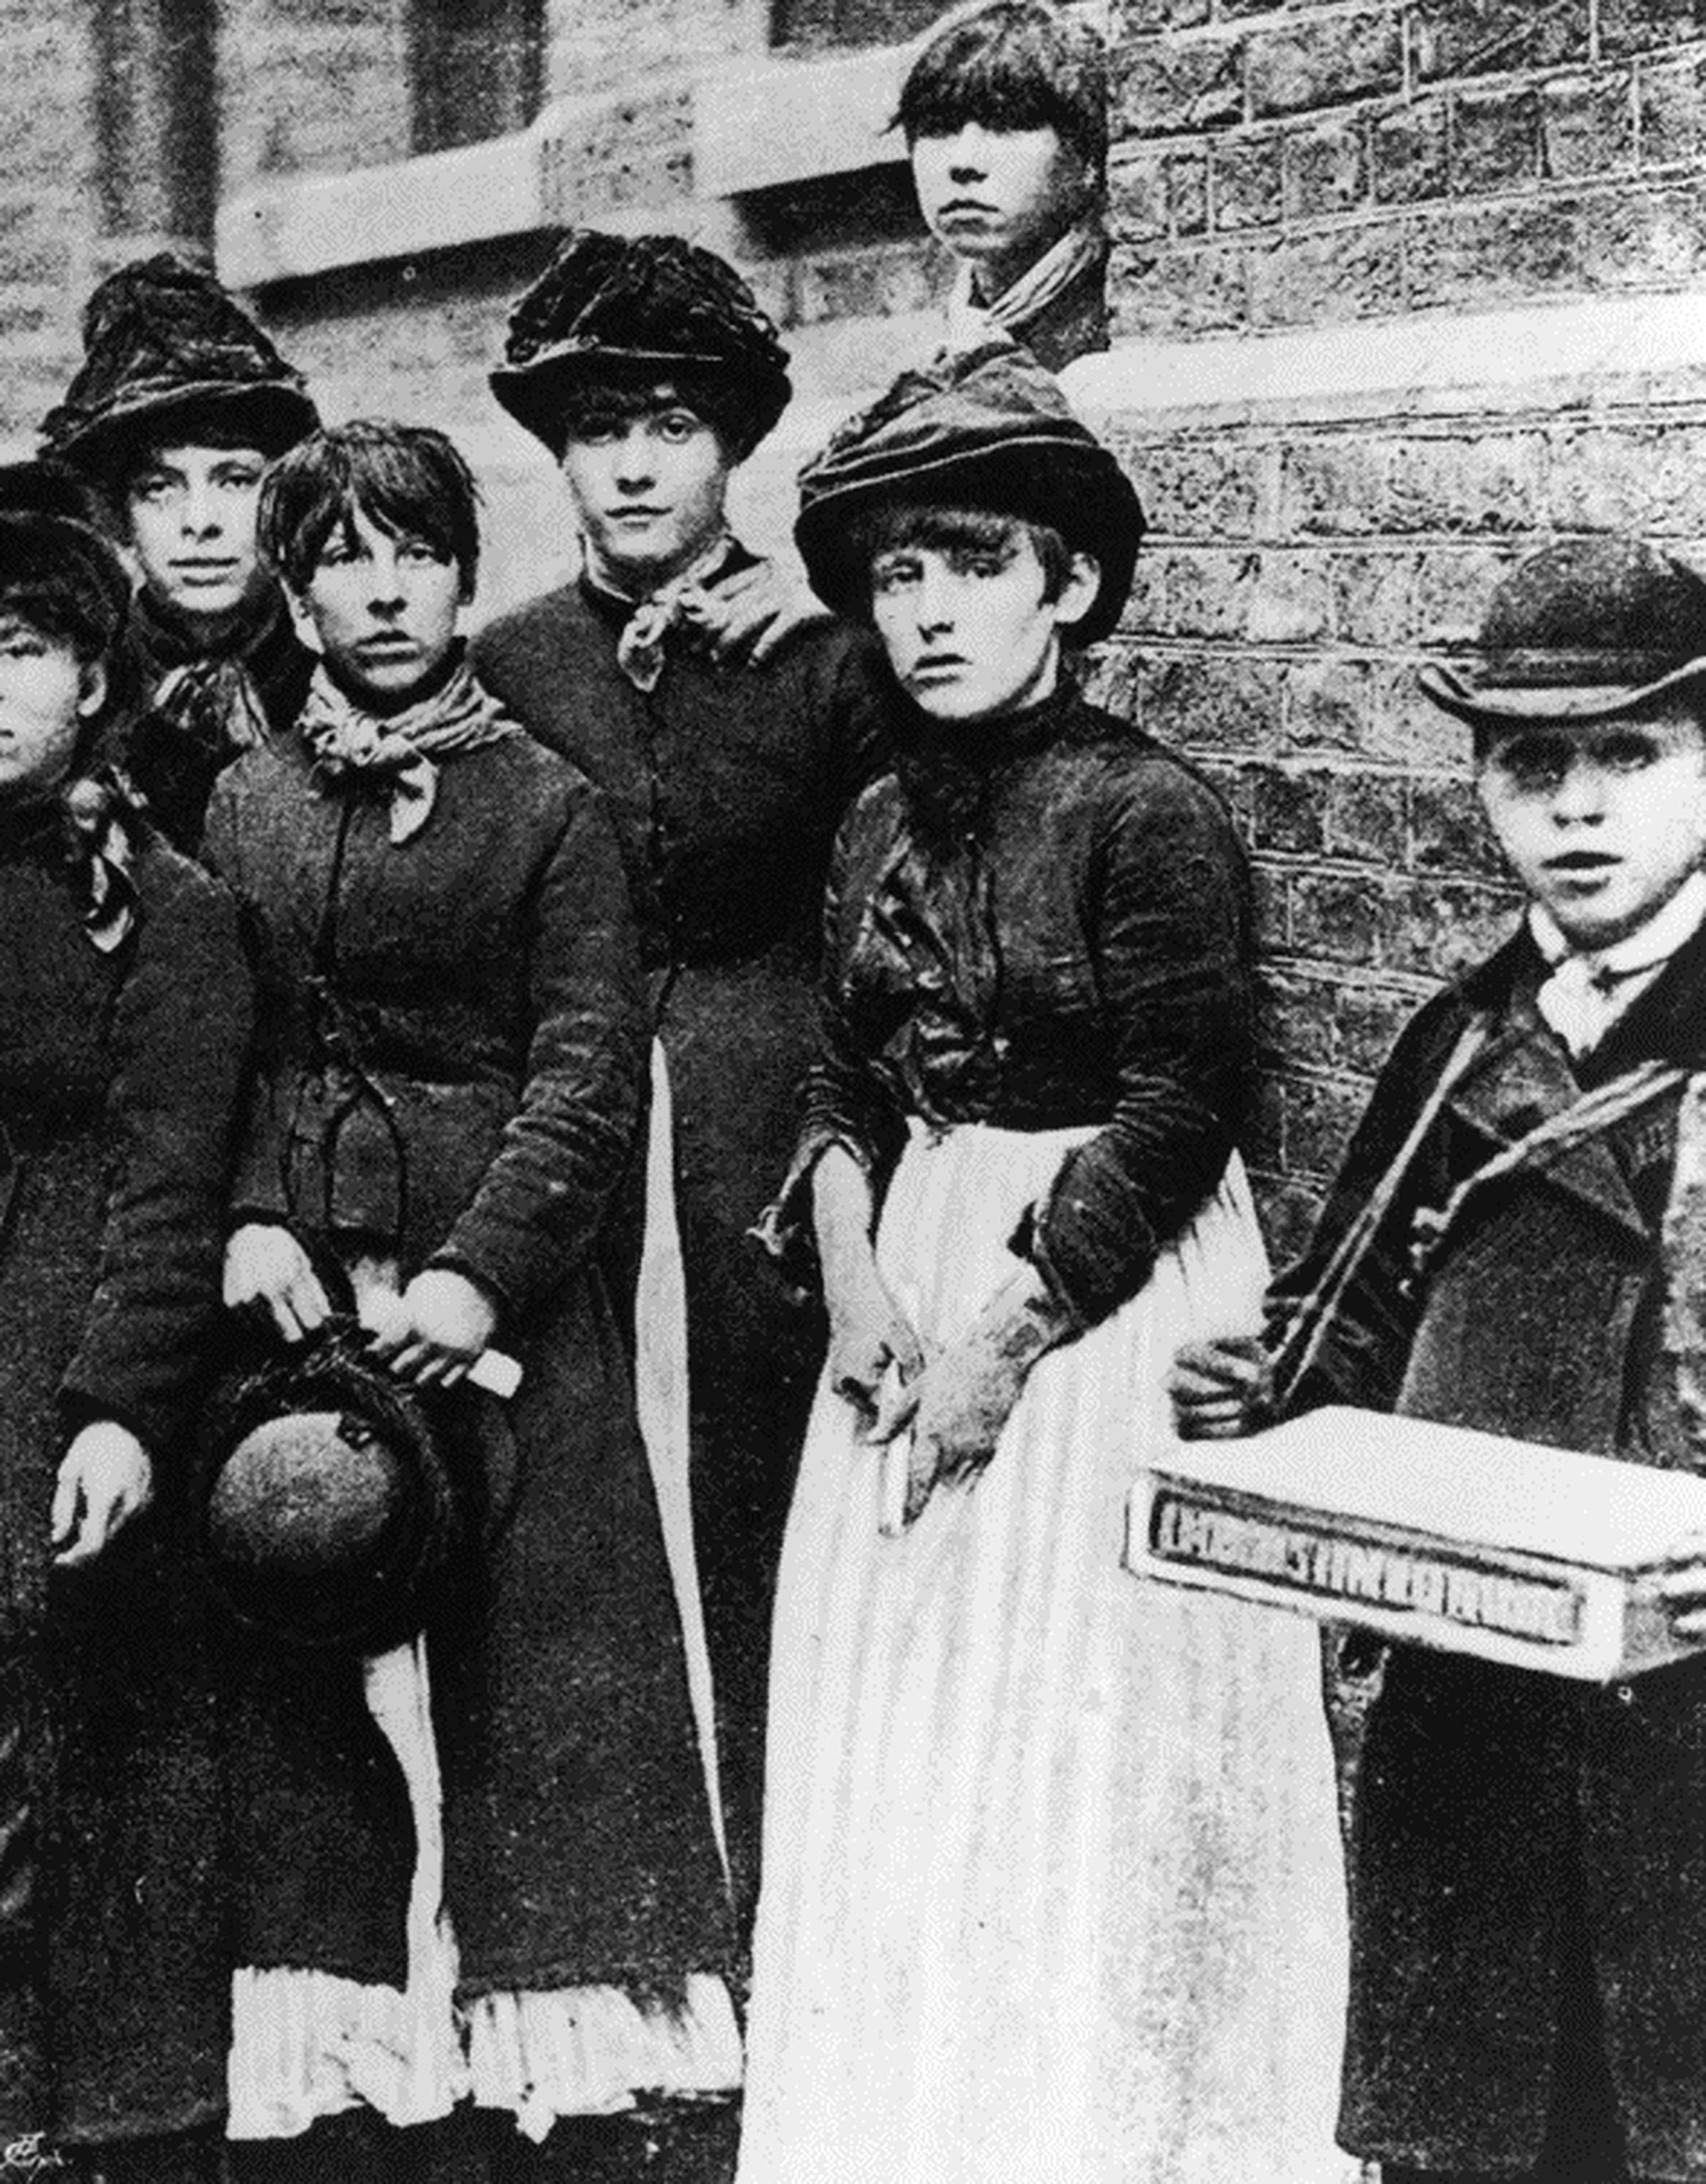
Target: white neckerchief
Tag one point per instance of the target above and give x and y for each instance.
(641, 648)
(1590, 988)
(971, 321)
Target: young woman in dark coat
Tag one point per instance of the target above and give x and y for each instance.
(180, 403)
(124, 1018)
(648, 371)
(450, 1078)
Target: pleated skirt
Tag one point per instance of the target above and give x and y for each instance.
(1052, 1886)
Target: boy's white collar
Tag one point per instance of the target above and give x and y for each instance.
(1643, 949)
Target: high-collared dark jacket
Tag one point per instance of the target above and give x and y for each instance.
(1500, 1817)
(1071, 947)
(118, 1079)
(484, 980)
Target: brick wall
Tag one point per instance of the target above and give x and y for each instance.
(1282, 166)
(1290, 183)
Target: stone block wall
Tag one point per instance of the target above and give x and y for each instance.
(1380, 277)
(1284, 166)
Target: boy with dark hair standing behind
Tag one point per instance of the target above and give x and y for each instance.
(1516, 1243)
(1004, 114)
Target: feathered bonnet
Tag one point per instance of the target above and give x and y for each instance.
(167, 355)
(609, 304)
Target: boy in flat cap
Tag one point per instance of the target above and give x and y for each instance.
(180, 403)
(648, 370)
(1517, 1243)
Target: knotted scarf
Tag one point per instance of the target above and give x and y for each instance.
(641, 648)
(970, 320)
(215, 700)
(397, 752)
(83, 826)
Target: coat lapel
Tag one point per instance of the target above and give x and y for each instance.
(1525, 1077)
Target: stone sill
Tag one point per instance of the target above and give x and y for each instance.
(755, 126)
(1589, 353)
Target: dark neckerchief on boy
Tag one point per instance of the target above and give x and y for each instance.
(354, 741)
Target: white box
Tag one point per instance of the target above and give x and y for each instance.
(1539, 1558)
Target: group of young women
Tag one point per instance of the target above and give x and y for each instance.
(840, 1043)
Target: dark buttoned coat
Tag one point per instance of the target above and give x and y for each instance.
(1505, 1825)
(474, 1107)
(119, 1079)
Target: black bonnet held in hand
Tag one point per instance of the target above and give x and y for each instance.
(324, 1509)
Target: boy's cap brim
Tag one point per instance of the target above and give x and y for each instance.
(1558, 689)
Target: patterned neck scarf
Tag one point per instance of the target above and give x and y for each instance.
(214, 699)
(84, 825)
(972, 321)
(397, 752)
(641, 649)
(1590, 988)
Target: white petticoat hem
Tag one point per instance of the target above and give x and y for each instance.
(306, 2044)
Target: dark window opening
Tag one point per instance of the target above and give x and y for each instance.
(478, 69)
(157, 119)
(811, 25)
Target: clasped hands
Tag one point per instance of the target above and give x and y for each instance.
(429, 1333)
(954, 1401)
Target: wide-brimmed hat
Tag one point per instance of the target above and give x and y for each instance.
(609, 302)
(54, 553)
(324, 1502)
(989, 430)
(1589, 630)
(164, 344)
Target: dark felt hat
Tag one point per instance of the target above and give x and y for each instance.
(1589, 630)
(610, 302)
(989, 430)
(324, 1507)
(163, 343)
(55, 559)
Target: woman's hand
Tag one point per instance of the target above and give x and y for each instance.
(105, 1479)
(748, 615)
(1221, 1389)
(265, 1265)
(959, 1406)
(436, 1329)
(868, 1334)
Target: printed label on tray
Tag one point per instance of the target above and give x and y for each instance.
(1283, 1551)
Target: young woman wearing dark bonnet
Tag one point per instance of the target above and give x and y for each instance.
(648, 371)
(123, 1020)
(1050, 1865)
(180, 403)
